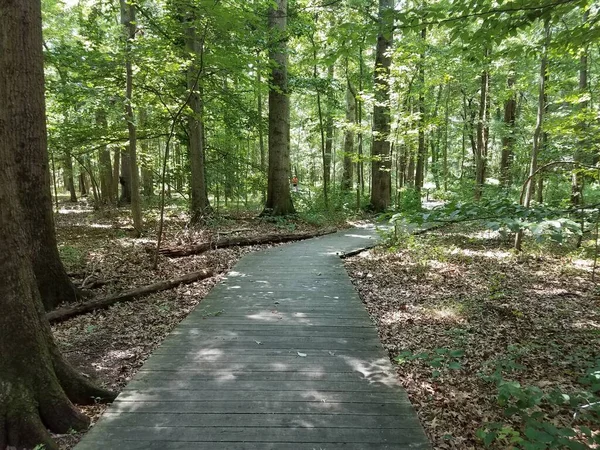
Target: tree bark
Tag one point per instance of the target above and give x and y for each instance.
(36, 385)
(347, 175)
(328, 154)
(381, 174)
(146, 161)
(129, 23)
(279, 199)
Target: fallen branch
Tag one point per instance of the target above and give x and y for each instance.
(70, 311)
(175, 252)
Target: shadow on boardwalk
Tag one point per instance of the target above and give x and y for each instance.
(280, 355)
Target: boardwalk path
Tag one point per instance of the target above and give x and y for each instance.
(280, 355)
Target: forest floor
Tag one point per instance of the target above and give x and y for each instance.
(110, 345)
(462, 314)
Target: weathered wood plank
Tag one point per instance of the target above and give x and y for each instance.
(248, 434)
(171, 395)
(199, 420)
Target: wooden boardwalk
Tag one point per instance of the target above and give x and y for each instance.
(280, 355)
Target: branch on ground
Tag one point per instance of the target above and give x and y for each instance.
(194, 249)
(71, 311)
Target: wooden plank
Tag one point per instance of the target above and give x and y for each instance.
(263, 407)
(269, 420)
(387, 378)
(170, 395)
(189, 383)
(258, 445)
(248, 434)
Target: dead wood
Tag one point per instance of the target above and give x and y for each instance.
(239, 241)
(67, 312)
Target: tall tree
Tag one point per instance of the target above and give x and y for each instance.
(36, 384)
(422, 149)
(279, 199)
(381, 166)
(482, 130)
(510, 116)
(539, 126)
(347, 174)
(128, 21)
(199, 206)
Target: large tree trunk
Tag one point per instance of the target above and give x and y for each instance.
(199, 206)
(347, 175)
(482, 132)
(279, 200)
(537, 135)
(115, 177)
(508, 141)
(36, 385)
(381, 167)
(21, 80)
(129, 23)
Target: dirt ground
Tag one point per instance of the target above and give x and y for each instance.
(457, 309)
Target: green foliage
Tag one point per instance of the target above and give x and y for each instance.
(441, 358)
(502, 215)
(531, 408)
(71, 256)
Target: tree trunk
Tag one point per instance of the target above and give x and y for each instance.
(482, 132)
(115, 176)
(279, 200)
(199, 206)
(422, 150)
(347, 175)
(577, 177)
(446, 141)
(508, 141)
(146, 162)
(381, 166)
(36, 385)
(328, 155)
(106, 174)
(261, 138)
(70, 178)
(129, 23)
(125, 178)
(537, 135)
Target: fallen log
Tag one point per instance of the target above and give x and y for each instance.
(239, 241)
(67, 312)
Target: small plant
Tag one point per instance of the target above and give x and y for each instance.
(439, 359)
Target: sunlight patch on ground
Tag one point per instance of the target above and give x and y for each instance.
(74, 211)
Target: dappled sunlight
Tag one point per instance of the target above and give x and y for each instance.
(496, 254)
(376, 371)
